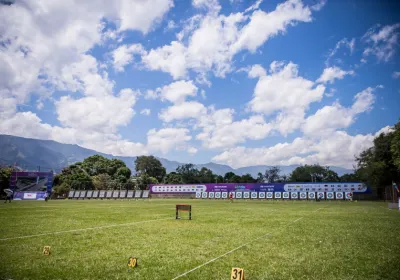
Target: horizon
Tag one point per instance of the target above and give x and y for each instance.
(236, 83)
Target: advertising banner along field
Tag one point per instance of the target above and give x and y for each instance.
(354, 187)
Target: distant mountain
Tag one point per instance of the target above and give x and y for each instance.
(30, 153)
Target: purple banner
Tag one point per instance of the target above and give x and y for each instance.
(355, 187)
(29, 195)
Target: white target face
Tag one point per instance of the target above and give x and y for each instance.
(198, 194)
(294, 195)
(238, 194)
(261, 195)
(285, 195)
(217, 195)
(348, 195)
(253, 195)
(321, 195)
(329, 195)
(270, 194)
(246, 195)
(339, 195)
(278, 195)
(204, 195)
(311, 195)
(224, 195)
(303, 195)
(211, 195)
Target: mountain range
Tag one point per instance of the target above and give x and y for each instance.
(31, 154)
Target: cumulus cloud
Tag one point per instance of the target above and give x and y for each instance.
(225, 37)
(145, 112)
(123, 55)
(165, 139)
(177, 92)
(339, 149)
(382, 42)
(182, 111)
(331, 74)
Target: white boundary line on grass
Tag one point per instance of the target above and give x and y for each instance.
(237, 248)
(83, 229)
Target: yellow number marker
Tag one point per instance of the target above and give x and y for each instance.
(132, 262)
(237, 274)
(46, 250)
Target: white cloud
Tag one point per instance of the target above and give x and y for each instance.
(331, 118)
(382, 42)
(225, 37)
(192, 150)
(123, 55)
(396, 75)
(166, 139)
(336, 149)
(257, 71)
(182, 111)
(145, 112)
(103, 114)
(177, 92)
(350, 44)
(318, 6)
(331, 74)
(220, 131)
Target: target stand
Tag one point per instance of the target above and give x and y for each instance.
(183, 208)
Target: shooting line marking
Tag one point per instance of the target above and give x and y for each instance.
(82, 229)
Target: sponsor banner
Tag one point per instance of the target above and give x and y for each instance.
(89, 194)
(278, 195)
(330, 195)
(239, 195)
(145, 194)
(29, 195)
(355, 187)
(198, 194)
(217, 195)
(285, 195)
(303, 195)
(224, 195)
(246, 195)
(122, 194)
(261, 195)
(321, 195)
(339, 195)
(211, 195)
(348, 195)
(204, 195)
(129, 194)
(253, 195)
(270, 195)
(294, 195)
(311, 195)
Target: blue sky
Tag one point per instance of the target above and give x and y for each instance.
(235, 82)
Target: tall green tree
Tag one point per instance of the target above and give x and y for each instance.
(315, 172)
(173, 178)
(206, 176)
(189, 173)
(395, 146)
(151, 166)
(247, 178)
(144, 180)
(228, 176)
(271, 175)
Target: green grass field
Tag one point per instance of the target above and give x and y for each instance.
(269, 239)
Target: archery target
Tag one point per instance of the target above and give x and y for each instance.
(198, 194)
(253, 195)
(303, 195)
(329, 195)
(246, 195)
(261, 195)
(211, 195)
(238, 194)
(218, 195)
(285, 195)
(339, 195)
(224, 195)
(311, 195)
(294, 195)
(270, 195)
(321, 195)
(204, 195)
(348, 195)
(278, 195)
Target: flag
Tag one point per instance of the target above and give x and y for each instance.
(395, 186)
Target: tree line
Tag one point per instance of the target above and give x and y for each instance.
(378, 166)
